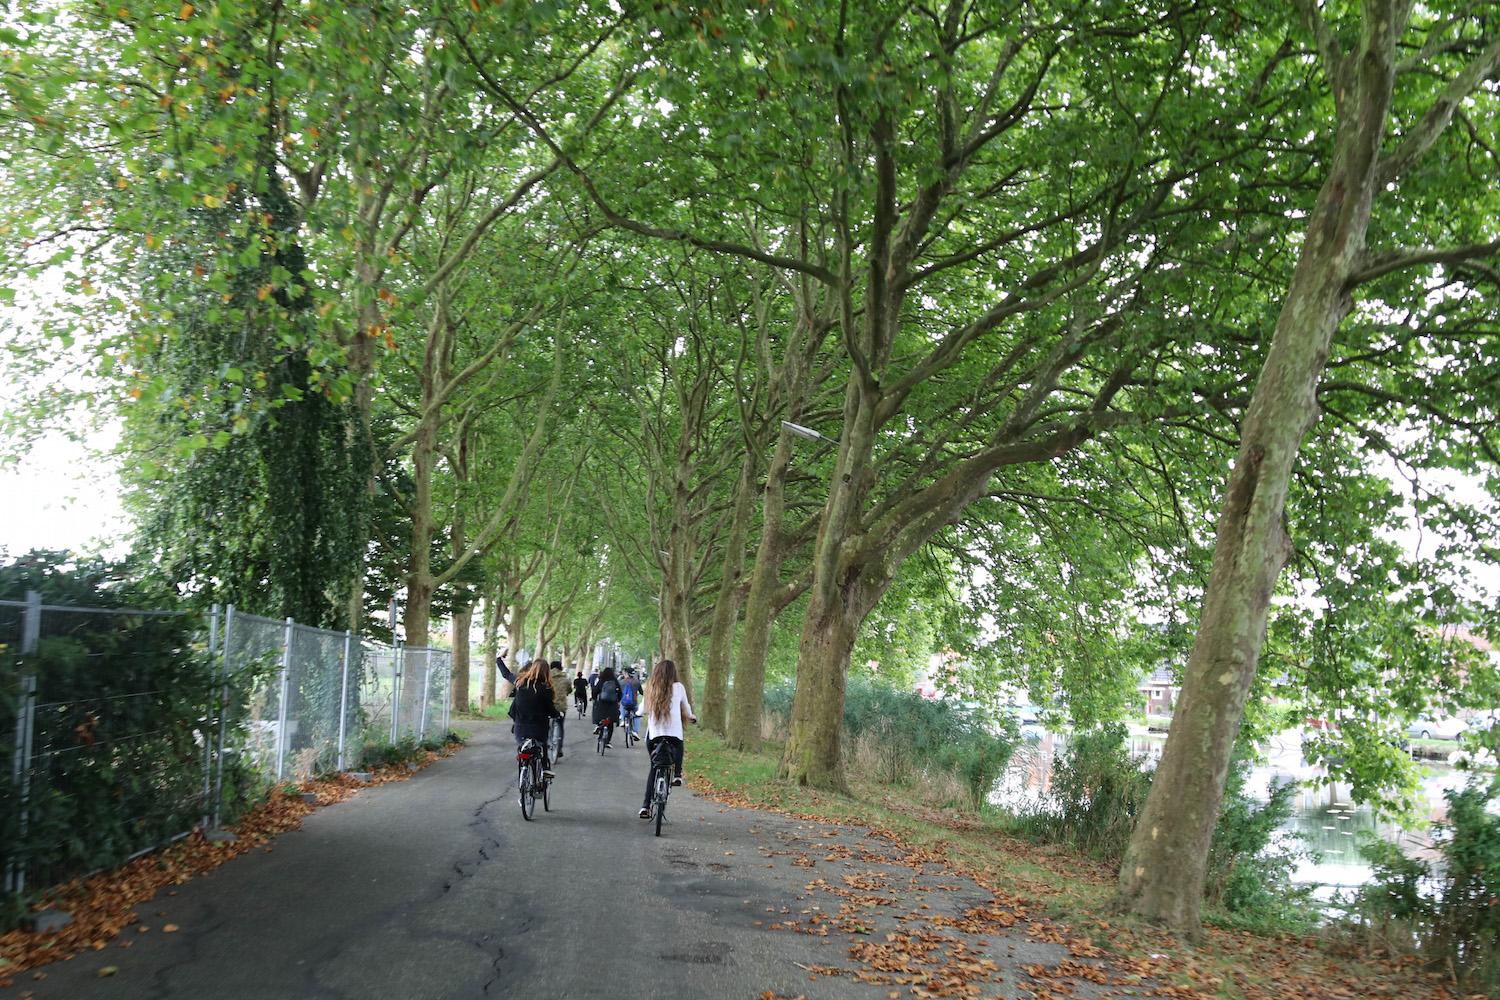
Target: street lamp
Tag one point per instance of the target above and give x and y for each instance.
(806, 432)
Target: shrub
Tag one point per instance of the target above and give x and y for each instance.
(124, 703)
(1249, 876)
(1097, 790)
(1448, 910)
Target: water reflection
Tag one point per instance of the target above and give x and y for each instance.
(1326, 819)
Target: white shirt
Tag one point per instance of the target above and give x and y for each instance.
(672, 724)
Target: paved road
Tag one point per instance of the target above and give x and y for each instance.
(436, 888)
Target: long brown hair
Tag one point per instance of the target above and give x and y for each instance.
(659, 690)
(534, 675)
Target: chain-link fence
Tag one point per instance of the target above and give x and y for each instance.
(122, 727)
(317, 700)
(108, 716)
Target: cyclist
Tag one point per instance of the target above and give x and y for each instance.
(534, 706)
(666, 706)
(560, 698)
(581, 692)
(607, 704)
(628, 691)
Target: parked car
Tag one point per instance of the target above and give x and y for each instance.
(1436, 729)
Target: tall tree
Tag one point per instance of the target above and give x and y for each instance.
(1446, 57)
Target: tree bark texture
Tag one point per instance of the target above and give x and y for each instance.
(1162, 873)
(766, 600)
(715, 710)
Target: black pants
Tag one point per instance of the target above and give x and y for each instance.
(675, 745)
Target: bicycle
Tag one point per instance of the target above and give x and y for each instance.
(582, 702)
(554, 738)
(603, 731)
(627, 723)
(661, 782)
(531, 779)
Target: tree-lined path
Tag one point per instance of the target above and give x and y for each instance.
(436, 888)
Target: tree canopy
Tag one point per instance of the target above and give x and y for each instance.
(795, 337)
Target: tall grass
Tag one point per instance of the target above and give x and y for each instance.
(950, 754)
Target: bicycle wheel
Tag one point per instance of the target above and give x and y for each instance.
(546, 794)
(661, 800)
(600, 741)
(528, 794)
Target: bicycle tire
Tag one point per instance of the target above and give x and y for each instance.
(661, 801)
(528, 796)
(600, 741)
(546, 795)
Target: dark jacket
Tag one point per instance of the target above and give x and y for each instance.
(604, 707)
(532, 710)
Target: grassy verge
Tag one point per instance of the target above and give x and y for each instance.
(1078, 891)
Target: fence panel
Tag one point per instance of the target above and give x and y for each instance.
(378, 682)
(119, 726)
(254, 654)
(110, 714)
(314, 701)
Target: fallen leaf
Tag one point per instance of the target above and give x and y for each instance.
(170, 929)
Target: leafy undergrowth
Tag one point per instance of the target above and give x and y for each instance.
(1233, 964)
(101, 904)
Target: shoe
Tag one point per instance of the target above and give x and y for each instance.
(559, 755)
(677, 781)
(608, 745)
(644, 813)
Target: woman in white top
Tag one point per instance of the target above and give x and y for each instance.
(664, 707)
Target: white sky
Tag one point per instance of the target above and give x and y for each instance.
(61, 497)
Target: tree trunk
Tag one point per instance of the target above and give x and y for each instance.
(812, 755)
(814, 749)
(715, 708)
(516, 635)
(463, 617)
(761, 607)
(1162, 873)
(494, 614)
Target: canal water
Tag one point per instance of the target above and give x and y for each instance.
(1326, 821)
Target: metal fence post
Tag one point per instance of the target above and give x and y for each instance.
(223, 713)
(448, 699)
(344, 695)
(426, 687)
(398, 667)
(286, 670)
(208, 720)
(20, 768)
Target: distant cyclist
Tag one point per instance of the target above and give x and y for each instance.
(581, 692)
(666, 707)
(629, 691)
(607, 703)
(560, 699)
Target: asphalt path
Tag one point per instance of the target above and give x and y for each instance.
(437, 888)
